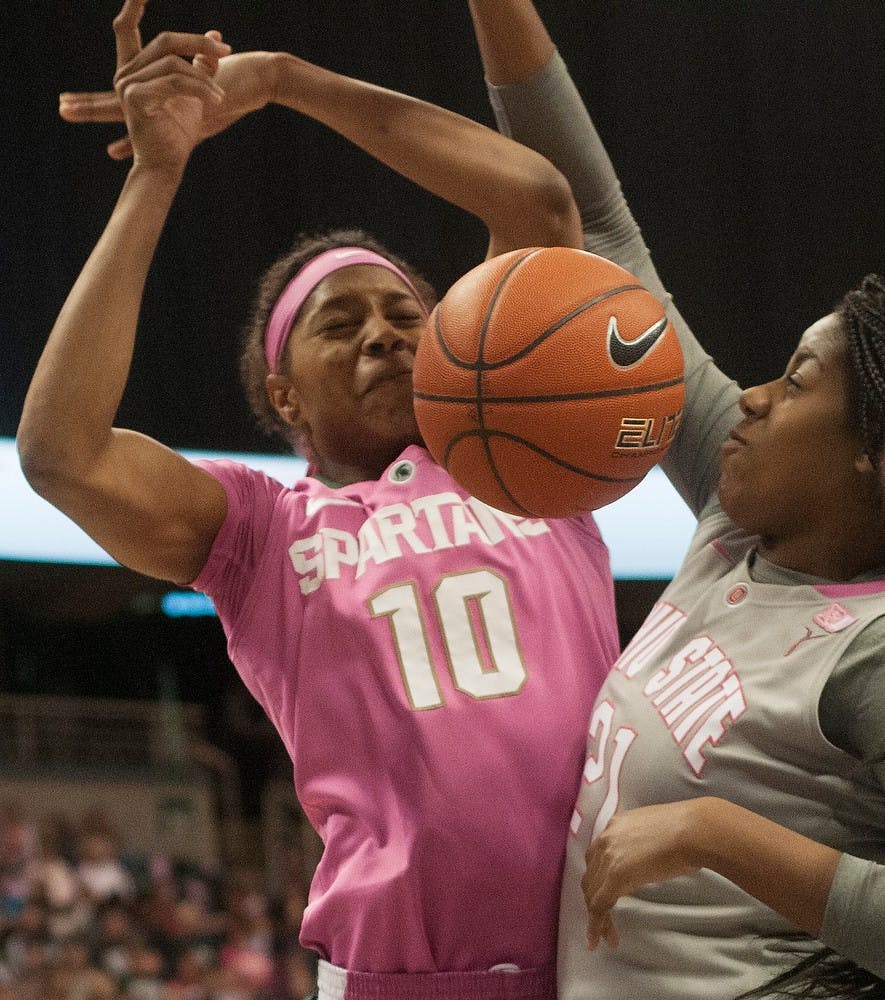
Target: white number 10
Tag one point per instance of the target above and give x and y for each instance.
(476, 623)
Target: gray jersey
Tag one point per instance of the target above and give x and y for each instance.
(705, 702)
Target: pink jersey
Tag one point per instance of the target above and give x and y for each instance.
(430, 665)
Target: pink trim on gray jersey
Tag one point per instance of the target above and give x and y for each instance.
(851, 589)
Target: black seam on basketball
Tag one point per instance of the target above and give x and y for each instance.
(437, 324)
(491, 463)
(485, 435)
(499, 288)
(481, 366)
(561, 323)
(566, 397)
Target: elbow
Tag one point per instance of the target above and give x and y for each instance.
(45, 467)
(557, 205)
(36, 465)
(548, 213)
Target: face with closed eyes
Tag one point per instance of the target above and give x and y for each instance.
(794, 469)
(346, 379)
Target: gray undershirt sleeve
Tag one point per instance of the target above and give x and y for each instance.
(851, 710)
(546, 113)
(854, 921)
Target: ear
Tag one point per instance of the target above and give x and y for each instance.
(863, 464)
(284, 398)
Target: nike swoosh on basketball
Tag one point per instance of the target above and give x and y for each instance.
(626, 353)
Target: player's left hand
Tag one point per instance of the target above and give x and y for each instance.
(650, 844)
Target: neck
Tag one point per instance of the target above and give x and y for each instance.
(345, 473)
(837, 555)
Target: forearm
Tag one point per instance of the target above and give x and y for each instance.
(513, 41)
(73, 398)
(781, 868)
(516, 192)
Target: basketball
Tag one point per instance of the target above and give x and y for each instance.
(548, 382)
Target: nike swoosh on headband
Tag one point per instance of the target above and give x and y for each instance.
(626, 353)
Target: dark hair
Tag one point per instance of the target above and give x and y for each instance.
(862, 312)
(253, 364)
(825, 975)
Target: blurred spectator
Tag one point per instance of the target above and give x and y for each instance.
(246, 952)
(295, 966)
(54, 881)
(114, 931)
(16, 855)
(74, 978)
(23, 937)
(190, 980)
(144, 980)
(80, 928)
(100, 869)
(30, 977)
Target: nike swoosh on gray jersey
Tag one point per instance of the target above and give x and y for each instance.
(626, 353)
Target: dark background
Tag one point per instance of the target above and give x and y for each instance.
(750, 139)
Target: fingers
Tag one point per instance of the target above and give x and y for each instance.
(599, 901)
(121, 149)
(603, 884)
(601, 928)
(178, 44)
(208, 64)
(153, 91)
(170, 65)
(127, 32)
(98, 106)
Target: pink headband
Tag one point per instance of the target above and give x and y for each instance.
(292, 298)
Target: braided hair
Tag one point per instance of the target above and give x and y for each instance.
(862, 313)
(824, 975)
(253, 363)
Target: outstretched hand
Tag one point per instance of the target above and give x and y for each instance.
(162, 92)
(245, 82)
(649, 844)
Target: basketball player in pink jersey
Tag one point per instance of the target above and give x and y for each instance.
(429, 663)
(732, 808)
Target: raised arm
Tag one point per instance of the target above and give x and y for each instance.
(536, 102)
(522, 199)
(143, 503)
(519, 196)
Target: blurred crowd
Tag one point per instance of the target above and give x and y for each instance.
(83, 917)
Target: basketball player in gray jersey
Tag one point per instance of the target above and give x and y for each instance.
(732, 807)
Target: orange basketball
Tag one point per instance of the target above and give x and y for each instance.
(548, 382)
